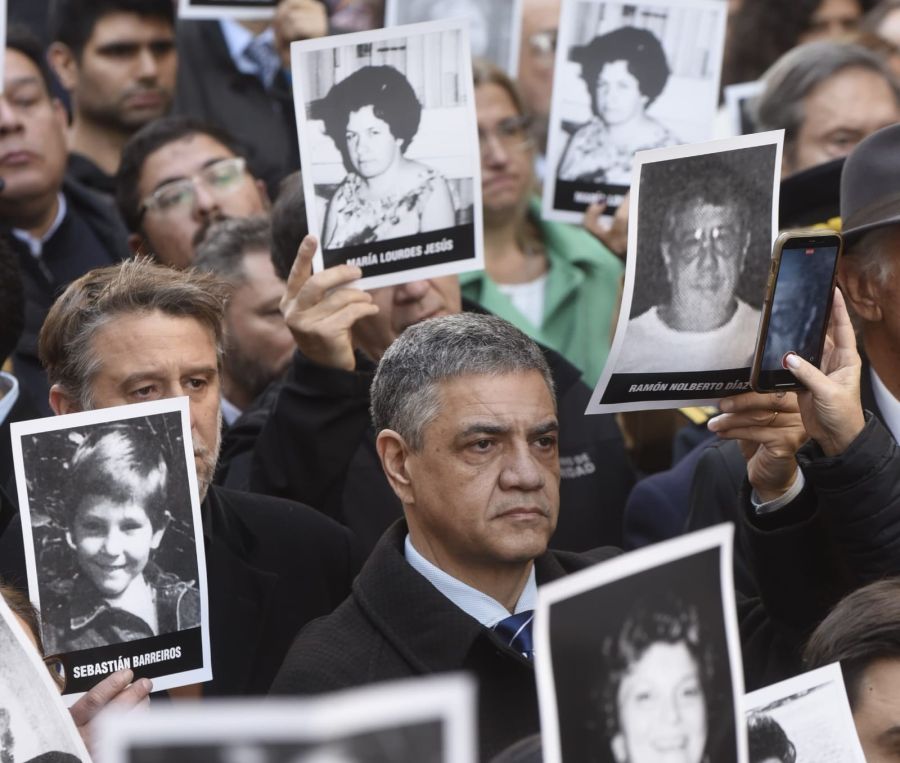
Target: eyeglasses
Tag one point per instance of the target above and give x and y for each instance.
(219, 178)
(720, 238)
(511, 133)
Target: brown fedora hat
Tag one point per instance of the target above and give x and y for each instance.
(870, 184)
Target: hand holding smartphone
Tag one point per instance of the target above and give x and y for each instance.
(797, 305)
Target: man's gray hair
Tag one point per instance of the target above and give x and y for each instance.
(799, 71)
(223, 249)
(875, 254)
(405, 393)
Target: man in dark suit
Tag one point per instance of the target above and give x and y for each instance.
(467, 437)
(58, 228)
(235, 75)
(140, 331)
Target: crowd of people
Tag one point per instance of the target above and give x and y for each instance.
(383, 474)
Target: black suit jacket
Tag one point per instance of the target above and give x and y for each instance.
(211, 88)
(397, 625)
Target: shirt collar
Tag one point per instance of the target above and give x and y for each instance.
(230, 412)
(473, 602)
(36, 245)
(10, 386)
(887, 404)
(238, 39)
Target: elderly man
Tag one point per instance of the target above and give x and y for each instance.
(177, 177)
(259, 345)
(58, 228)
(703, 323)
(827, 96)
(143, 332)
(117, 60)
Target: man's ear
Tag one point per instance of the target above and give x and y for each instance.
(64, 64)
(393, 453)
(861, 291)
(61, 402)
(136, 244)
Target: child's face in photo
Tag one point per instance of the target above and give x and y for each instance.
(112, 540)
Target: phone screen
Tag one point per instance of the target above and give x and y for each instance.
(800, 308)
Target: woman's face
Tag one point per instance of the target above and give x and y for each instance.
(662, 710)
(370, 143)
(619, 96)
(112, 541)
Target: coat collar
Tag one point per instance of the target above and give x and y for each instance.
(434, 635)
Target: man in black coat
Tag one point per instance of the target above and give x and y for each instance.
(58, 228)
(468, 440)
(235, 75)
(140, 331)
(312, 439)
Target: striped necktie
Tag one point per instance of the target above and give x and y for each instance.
(515, 631)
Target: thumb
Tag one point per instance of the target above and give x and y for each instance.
(807, 374)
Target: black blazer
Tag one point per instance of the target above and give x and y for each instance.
(397, 625)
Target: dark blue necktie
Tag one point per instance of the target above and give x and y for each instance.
(515, 631)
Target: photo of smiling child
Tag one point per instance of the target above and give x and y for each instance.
(111, 533)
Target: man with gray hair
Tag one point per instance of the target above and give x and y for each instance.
(258, 344)
(827, 96)
(467, 436)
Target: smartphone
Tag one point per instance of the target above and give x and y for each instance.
(797, 306)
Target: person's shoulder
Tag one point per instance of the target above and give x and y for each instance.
(571, 561)
(573, 244)
(330, 653)
(266, 511)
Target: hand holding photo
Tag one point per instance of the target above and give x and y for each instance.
(703, 219)
(113, 542)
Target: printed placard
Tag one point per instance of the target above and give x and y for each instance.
(389, 145)
(422, 720)
(806, 717)
(222, 9)
(33, 720)
(638, 657)
(738, 101)
(702, 222)
(629, 77)
(114, 542)
(494, 27)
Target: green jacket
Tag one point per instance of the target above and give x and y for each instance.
(580, 298)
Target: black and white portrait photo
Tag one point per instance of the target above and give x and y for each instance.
(220, 9)
(114, 541)
(422, 720)
(807, 717)
(33, 720)
(629, 77)
(638, 660)
(388, 142)
(702, 222)
(494, 27)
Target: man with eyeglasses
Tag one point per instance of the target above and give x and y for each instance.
(177, 177)
(702, 323)
(58, 228)
(117, 60)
